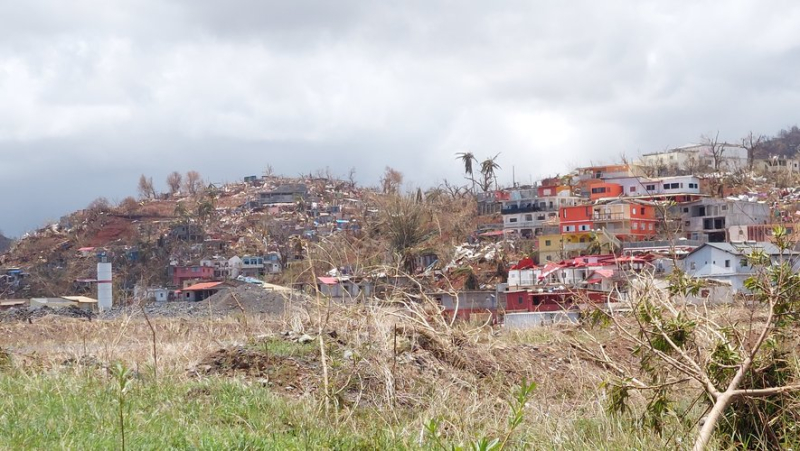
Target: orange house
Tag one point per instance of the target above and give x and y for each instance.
(578, 219)
(603, 190)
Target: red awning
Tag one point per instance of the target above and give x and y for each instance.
(203, 286)
(328, 280)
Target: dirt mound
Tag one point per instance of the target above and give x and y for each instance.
(297, 375)
(251, 298)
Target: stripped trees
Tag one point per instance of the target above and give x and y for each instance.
(739, 362)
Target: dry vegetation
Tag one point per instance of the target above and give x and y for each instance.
(376, 375)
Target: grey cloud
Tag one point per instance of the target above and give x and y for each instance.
(96, 93)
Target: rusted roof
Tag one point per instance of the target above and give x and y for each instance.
(203, 286)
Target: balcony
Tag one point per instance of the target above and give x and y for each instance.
(599, 217)
(520, 209)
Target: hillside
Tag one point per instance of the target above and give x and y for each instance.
(336, 223)
(785, 144)
(5, 243)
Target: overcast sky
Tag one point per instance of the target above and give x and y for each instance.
(95, 93)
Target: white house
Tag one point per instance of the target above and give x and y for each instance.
(694, 155)
(728, 262)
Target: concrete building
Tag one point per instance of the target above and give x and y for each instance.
(718, 220)
(527, 212)
(693, 157)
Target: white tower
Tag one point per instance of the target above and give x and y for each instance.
(104, 295)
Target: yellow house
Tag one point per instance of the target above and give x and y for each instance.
(557, 247)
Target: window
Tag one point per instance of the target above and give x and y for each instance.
(666, 186)
(743, 262)
(512, 220)
(584, 228)
(519, 299)
(651, 226)
(642, 210)
(633, 210)
(723, 208)
(547, 242)
(635, 226)
(727, 263)
(600, 190)
(569, 228)
(529, 217)
(632, 189)
(686, 209)
(650, 187)
(692, 266)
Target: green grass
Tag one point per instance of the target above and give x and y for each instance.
(77, 409)
(73, 411)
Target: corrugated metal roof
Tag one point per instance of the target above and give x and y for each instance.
(203, 286)
(748, 248)
(81, 299)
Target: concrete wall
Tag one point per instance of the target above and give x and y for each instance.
(536, 319)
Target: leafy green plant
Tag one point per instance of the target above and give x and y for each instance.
(516, 405)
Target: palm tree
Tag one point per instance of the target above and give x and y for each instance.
(488, 167)
(467, 158)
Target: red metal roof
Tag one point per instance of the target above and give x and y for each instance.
(202, 286)
(328, 280)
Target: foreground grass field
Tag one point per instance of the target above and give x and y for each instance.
(71, 410)
(235, 384)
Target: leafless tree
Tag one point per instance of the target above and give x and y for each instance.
(146, 190)
(193, 183)
(751, 142)
(715, 148)
(391, 180)
(174, 180)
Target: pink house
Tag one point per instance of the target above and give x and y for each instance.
(181, 274)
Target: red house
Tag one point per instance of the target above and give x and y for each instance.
(578, 219)
(550, 301)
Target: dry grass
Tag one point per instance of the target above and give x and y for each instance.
(391, 369)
